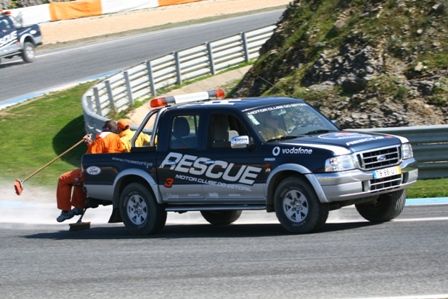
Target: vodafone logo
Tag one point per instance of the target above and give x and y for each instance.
(291, 151)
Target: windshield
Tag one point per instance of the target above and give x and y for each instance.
(288, 121)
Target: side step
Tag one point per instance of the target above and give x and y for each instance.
(186, 208)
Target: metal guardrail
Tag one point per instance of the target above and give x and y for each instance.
(120, 91)
(430, 146)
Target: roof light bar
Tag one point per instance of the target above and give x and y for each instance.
(218, 93)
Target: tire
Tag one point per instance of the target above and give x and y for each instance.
(139, 211)
(28, 54)
(221, 217)
(297, 207)
(385, 208)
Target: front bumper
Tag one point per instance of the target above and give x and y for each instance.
(357, 184)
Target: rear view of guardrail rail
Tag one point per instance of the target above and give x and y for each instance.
(120, 91)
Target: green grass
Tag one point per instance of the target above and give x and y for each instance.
(35, 132)
(429, 188)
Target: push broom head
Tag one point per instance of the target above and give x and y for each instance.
(18, 186)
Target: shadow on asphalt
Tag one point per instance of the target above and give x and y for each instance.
(191, 231)
(4, 64)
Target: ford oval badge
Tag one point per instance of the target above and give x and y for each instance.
(93, 170)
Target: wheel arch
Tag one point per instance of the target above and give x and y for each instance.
(288, 170)
(134, 176)
(27, 38)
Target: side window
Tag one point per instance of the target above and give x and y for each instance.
(148, 135)
(184, 132)
(3, 26)
(222, 129)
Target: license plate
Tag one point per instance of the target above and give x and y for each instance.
(386, 172)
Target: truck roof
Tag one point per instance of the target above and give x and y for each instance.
(240, 104)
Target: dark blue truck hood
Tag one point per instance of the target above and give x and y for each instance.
(32, 30)
(353, 141)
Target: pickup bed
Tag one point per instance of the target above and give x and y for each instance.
(277, 154)
(16, 40)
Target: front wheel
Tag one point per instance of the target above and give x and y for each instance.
(297, 207)
(221, 217)
(28, 52)
(140, 212)
(385, 208)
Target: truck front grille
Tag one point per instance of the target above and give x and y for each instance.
(379, 158)
(385, 183)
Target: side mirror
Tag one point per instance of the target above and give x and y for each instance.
(239, 141)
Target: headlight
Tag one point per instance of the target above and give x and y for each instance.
(340, 163)
(406, 151)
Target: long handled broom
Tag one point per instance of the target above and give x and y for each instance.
(18, 184)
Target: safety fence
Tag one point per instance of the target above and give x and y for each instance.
(120, 91)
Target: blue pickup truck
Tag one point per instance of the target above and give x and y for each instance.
(277, 154)
(16, 40)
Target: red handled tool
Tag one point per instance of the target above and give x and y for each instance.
(18, 184)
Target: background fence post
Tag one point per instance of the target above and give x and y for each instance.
(128, 88)
(110, 95)
(178, 68)
(245, 46)
(210, 58)
(152, 86)
(96, 95)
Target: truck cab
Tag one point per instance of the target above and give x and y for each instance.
(223, 156)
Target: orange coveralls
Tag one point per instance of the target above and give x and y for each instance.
(105, 142)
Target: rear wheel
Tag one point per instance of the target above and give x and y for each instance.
(140, 212)
(385, 208)
(28, 52)
(221, 217)
(297, 207)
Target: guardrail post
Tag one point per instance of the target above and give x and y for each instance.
(110, 95)
(89, 102)
(245, 46)
(152, 86)
(128, 87)
(210, 58)
(96, 95)
(178, 68)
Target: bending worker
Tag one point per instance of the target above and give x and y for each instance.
(126, 135)
(108, 141)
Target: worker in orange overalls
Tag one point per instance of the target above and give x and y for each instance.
(108, 141)
(126, 135)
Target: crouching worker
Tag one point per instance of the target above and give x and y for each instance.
(126, 135)
(70, 191)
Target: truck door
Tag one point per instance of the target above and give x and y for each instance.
(237, 174)
(178, 178)
(8, 37)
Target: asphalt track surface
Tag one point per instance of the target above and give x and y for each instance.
(64, 66)
(252, 258)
